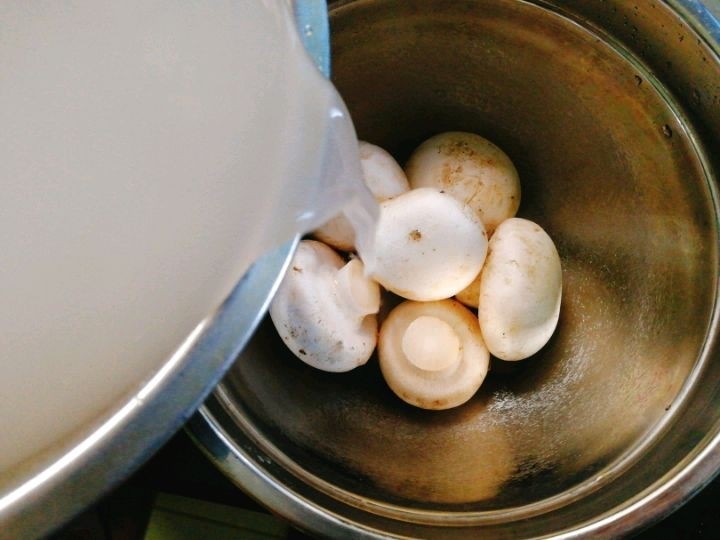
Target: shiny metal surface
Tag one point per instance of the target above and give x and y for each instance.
(611, 113)
(46, 492)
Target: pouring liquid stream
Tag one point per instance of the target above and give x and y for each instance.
(341, 188)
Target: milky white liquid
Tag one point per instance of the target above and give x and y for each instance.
(149, 151)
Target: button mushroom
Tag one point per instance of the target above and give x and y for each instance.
(385, 179)
(432, 354)
(428, 246)
(471, 169)
(520, 290)
(325, 309)
(470, 295)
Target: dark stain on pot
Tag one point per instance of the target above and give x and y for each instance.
(696, 96)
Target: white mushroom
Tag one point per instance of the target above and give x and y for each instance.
(385, 179)
(470, 168)
(432, 354)
(520, 290)
(382, 174)
(470, 295)
(325, 309)
(428, 246)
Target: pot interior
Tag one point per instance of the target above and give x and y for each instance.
(610, 168)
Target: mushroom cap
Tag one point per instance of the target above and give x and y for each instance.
(432, 354)
(428, 246)
(324, 309)
(520, 290)
(385, 179)
(337, 232)
(471, 169)
(470, 295)
(382, 174)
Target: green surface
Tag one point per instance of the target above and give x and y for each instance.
(180, 518)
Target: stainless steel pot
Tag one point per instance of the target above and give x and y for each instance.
(611, 112)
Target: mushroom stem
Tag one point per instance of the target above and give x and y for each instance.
(431, 344)
(323, 309)
(357, 294)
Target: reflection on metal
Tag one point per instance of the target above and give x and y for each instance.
(704, 15)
